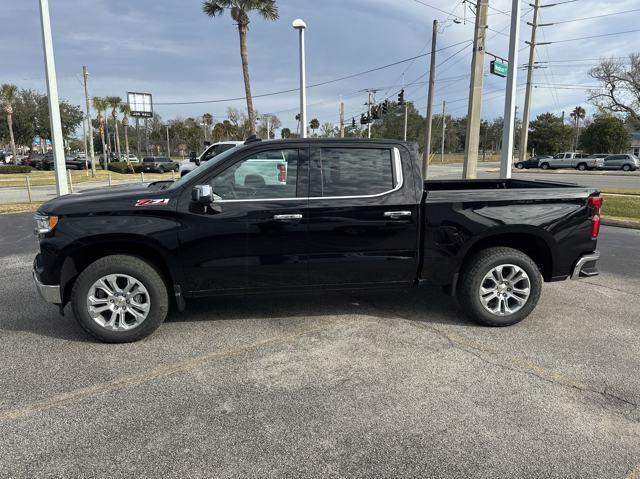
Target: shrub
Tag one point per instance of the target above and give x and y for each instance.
(123, 167)
(6, 169)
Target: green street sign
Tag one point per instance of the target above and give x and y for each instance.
(499, 68)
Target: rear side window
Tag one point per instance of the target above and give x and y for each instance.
(148, 160)
(355, 171)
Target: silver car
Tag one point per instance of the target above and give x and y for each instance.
(625, 162)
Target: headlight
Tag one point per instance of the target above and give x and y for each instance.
(45, 224)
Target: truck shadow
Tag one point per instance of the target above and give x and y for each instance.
(425, 305)
(428, 305)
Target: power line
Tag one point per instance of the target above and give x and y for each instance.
(595, 36)
(594, 16)
(290, 90)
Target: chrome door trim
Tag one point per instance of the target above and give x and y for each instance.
(398, 176)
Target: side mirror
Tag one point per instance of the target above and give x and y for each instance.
(202, 194)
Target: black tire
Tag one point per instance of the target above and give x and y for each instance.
(161, 169)
(581, 166)
(626, 168)
(519, 166)
(473, 274)
(142, 271)
(544, 166)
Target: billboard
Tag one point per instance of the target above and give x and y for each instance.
(141, 104)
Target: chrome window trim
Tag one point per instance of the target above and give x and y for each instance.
(398, 178)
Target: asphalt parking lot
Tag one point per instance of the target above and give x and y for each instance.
(398, 384)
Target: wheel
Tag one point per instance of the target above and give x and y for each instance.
(582, 166)
(544, 166)
(119, 299)
(161, 169)
(499, 286)
(626, 168)
(519, 166)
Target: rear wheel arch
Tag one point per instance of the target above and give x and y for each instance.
(533, 244)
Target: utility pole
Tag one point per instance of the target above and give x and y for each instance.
(470, 166)
(444, 128)
(62, 187)
(524, 134)
(268, 127)
(341, 118)
(85, 75)
(369, 115)
(168, 145)
(506, 157)
(406, 120)
(432, 82)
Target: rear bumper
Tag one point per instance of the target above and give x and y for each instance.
(50, 293)
(586, 266)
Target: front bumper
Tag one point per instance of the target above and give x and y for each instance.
(586, 266)
(50, 293)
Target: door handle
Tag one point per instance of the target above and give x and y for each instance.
(394, 215)
(291, 217)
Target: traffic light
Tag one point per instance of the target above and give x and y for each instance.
(385, 107)
(375, 112)
(363, 119)
(353, 123)
(401, 97)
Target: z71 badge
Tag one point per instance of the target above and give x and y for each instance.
(154, 202)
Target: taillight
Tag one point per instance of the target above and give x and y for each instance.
(595, 202)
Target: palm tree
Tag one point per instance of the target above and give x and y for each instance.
(126, 111)
(8, 94)
(240, 9)
(114, 103)
(100, 105)
(314, 125)
(577, 114)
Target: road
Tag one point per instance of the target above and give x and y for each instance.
(43, 193)
(491, 170)
(338, 385)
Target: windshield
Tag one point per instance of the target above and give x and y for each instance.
(149, 160)
(206, 166)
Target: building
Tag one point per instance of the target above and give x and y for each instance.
(635, 143)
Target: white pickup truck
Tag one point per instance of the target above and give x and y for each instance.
(189, 165)
(572, 159)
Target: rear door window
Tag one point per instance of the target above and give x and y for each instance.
(354, 172)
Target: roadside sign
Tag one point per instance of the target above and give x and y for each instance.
(499, 68)
(141, 104)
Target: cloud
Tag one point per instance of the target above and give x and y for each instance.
(177, 53)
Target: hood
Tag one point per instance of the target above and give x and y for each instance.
(117, 198)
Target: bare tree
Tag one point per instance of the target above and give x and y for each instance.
(620, 86)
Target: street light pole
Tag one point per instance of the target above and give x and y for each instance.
(168, 144)
(62, 188)
(92, 158)
(506, 157)
(299, 25)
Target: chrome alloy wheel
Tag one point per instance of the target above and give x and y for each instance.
(505, 289)
(118, 302)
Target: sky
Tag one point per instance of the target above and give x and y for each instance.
(172, 50)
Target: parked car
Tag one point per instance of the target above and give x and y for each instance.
(624, 162)
(212, 151)
(6, 158)
(158, 164)
(132, 158)
(71, 162)
(565, 160)
(533, 162)
(310, 215)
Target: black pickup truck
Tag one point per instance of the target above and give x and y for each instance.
(297, 216)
